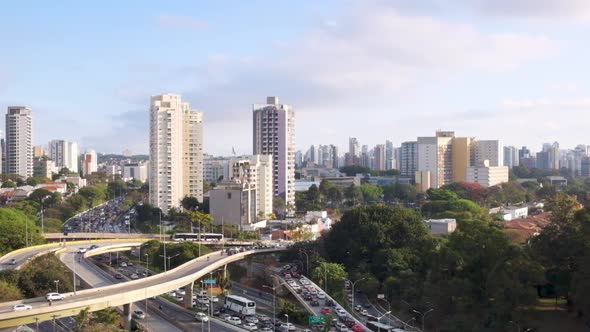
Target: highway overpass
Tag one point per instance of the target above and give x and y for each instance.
(121, 294)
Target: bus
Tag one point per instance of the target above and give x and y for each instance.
(378, 327)
(240, 305)
(197, 237)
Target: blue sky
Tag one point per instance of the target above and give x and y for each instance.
(509, 69)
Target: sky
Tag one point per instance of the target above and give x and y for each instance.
(514, 70)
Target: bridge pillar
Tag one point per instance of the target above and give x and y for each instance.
(188, 295)
(249, 268)
(127, 315)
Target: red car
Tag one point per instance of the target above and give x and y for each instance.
(357, 328)
(325, 311)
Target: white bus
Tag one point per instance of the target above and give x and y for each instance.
(197, 237)
(378, 327)
(240, 305)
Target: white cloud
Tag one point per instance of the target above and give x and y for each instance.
(546, 104)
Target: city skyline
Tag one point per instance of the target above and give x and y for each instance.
(511, 67)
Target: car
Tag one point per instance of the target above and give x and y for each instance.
(266, 329)
(329, 303)
(314, 303)
(139, 314)
(201, 317)
(118, 276)
(326, 311)
(130, 264)
(321, 295)
(94, 246)
(287, 327)
(82, 250)
(358, 307)
(367, 305)
(134, 276)
(235, 320)
(21, 307)
(216, 313)
(13, 261)
(54, 297)
(364, 312)
(224, 317)
(201, 300)
(252, 319)
(123, 264)
(357, 328)
(214, 299)
(250, 327)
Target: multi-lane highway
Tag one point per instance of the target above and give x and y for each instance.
(120, 294)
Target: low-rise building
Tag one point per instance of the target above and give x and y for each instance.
(441, 226)
(43, 167)
(233, 204)
(135, 171)
(486, 175)
(511, 212)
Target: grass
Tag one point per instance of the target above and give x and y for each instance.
(547, 315)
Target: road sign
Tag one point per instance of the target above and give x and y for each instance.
(380, 296)
(316, 319)
(209, 281)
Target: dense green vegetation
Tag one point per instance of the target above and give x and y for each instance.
(18, 230)
(181, 253)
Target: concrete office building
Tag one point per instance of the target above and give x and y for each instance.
(486, 175)
(256, 171)
(136, 171)
(233, 204)
(408, 159)
(176, 152)
(379, 157)
(435, 158)
(19, 141)
(89, 162)
(491, 150)
(274, 134)
(64, 154)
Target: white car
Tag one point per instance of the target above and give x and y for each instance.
(21, 307)
(134, 276)
(235, 320)
(201, 300)
(201, 317)
(123, 264)
(252, 319)
(250, 326)
(82, 250)
(321, 295)
(54, 296)
(214, 299)
(139, 314)
(287, 327)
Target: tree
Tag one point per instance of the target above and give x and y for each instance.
(94, 194)
(353, 195)
(200, 218)
(8, 184)
(278, 205)
(371, 193)
(332, 273)
(15, 227)
(37, 278)
(313, 199)
(9, 292)
(353, 170)
(563, 208)
(35, 180)
(83, 320)
(190, 203)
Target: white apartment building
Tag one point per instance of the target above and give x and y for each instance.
(441, 226)
(256, 171)
(491, 150)
(274, 134)
(136, 171)
(435, 159)
(176, 152)
(19, 141)
(89, 162)
(215, 169)
(64, 154)
(487, 175)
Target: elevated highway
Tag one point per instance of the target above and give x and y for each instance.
(121, 294)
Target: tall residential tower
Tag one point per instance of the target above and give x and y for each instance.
(274, 134)
(19, 141)
(176, 151)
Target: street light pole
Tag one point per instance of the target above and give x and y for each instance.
(274, 317)
(162, 238)
(423, 315)
(287, 320)
(147, 271)
(306, 261)
(353, 283)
